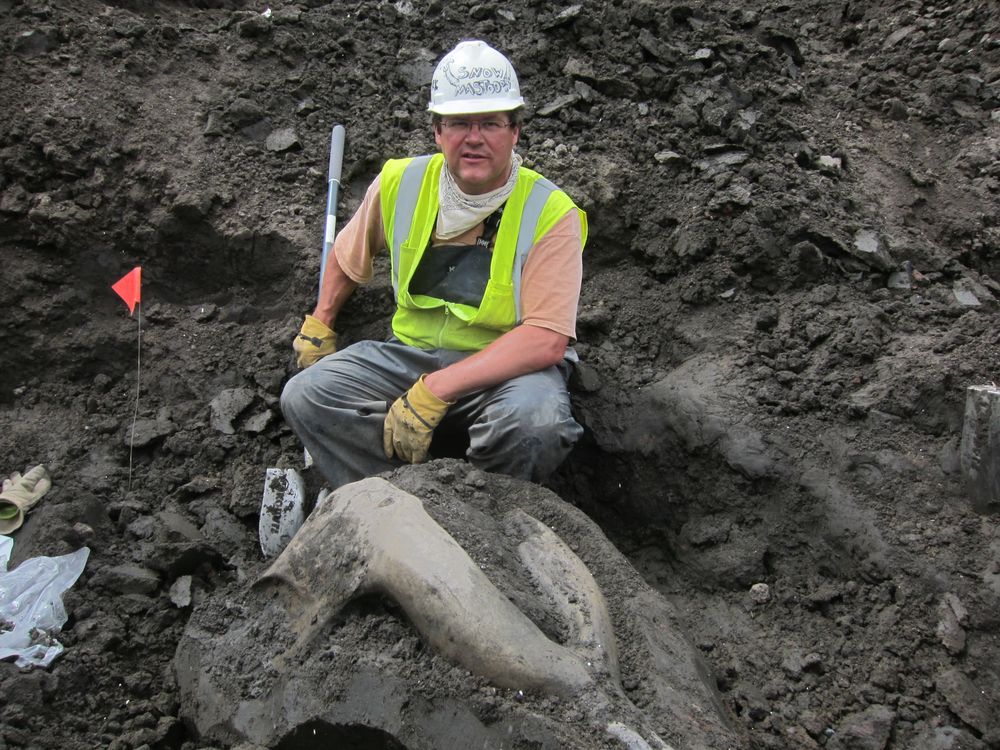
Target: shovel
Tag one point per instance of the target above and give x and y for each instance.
(282, 507)
(282, 510)
(333, 186)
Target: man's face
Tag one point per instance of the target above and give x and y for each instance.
(477, 149)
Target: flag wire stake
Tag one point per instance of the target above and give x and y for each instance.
(135, 413)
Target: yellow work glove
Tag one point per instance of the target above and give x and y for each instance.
(313, 342)
(19, 495)
(410, 423)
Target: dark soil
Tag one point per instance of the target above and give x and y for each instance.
(788, 287)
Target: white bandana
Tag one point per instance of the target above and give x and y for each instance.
(459, 212)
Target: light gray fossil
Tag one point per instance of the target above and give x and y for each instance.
(260, 675)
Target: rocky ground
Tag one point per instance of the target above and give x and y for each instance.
(788, 287)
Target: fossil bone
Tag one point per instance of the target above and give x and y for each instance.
(572, 590)
(380, 539)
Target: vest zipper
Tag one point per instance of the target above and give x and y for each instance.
(447, 317)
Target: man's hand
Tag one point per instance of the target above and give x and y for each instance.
(410, 423)
(313, 342)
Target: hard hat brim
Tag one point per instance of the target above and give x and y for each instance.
(475, 106)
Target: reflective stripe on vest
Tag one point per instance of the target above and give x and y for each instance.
(406, 205)
(533, 206)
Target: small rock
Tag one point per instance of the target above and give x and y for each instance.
(791, 663)
(566, 100)
(747, 118)
(243, 112)
(144, 432)
(15, 200)
(867, 730)
(255, 26)
(812, 661)
(868, 246)
(668, 157)
(720, 160)
(203, 313)
(258, 422)
(657, 47)
(760, 593)
(405, 8)
(736, 196)
(899, 280)
(200, 485)
(952, 616)
(568, 14)
(128, 579)
(767, 319)
(833, 164)
(823, 594)
(585, 378)
(213, 124)
(574, 67)
(174, 527)
(191, 205)
(965, 297)
(84, 532)
(586, 92)
(886, 675)
(306, 106)
(223, 528)
(946, 738)
(921, 179)
(227, 407)
(966, 700)
(283, 139)
(897, 36)
(180, 592)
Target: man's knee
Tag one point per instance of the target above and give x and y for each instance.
(292, 396)
(540, 419)
(528, 436)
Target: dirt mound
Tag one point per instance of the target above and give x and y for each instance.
(789, 285)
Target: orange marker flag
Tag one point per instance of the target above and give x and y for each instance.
(127, 287)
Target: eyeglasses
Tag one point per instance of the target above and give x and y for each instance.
(464, 127)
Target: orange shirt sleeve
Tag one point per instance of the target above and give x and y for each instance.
(552, 276)
(362, 237)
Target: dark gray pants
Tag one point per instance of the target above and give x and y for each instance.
(522, 427)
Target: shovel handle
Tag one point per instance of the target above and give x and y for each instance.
(333, 186)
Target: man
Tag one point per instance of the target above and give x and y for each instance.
(486, 270)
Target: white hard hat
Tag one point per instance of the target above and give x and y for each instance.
(474, 78)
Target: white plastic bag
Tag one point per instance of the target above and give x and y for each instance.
(31, 608)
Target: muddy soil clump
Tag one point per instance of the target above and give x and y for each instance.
(789, 284)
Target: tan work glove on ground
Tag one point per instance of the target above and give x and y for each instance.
(19, 495)
(313, 342)
(410, 423)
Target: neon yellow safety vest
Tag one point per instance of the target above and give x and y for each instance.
(409, 203)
